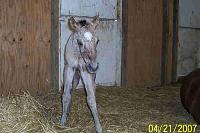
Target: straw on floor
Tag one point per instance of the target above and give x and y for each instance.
(121, 110)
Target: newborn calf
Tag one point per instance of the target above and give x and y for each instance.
(80, 62)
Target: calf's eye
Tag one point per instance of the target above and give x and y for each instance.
(79, 43)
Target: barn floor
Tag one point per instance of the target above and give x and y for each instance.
(121, 110)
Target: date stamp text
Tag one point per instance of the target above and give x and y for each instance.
(169, 128)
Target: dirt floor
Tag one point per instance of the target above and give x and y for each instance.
(122, 110)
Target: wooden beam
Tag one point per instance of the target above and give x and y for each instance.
(54, 44)
(124, 42)
(164, 43)
(175, 40)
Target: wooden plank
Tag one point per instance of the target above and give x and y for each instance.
(165, 40)
(170, 42)
(144, 42)
(175, 40)
(124, 42)
(25, 27)
(168, 56)
(55, 44)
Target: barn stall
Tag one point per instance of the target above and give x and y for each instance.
(138, 48)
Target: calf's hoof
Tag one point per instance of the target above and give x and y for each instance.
(99, 130)
(62, 121)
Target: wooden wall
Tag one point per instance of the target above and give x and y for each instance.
(149, 43)
(144, 42)
(25, 31)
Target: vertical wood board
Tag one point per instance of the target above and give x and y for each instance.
(25, 27)
(144, 42)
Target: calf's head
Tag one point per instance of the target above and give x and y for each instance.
(86, 40)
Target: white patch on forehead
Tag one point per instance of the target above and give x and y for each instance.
(88, 36)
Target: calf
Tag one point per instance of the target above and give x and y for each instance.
(80, 62)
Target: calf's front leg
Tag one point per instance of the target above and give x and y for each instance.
(90, 87)
(66, 97)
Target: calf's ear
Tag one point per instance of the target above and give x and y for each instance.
(95, 22)
(73, 25)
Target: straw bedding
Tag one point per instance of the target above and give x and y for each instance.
(122, 110)
(21, 113)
